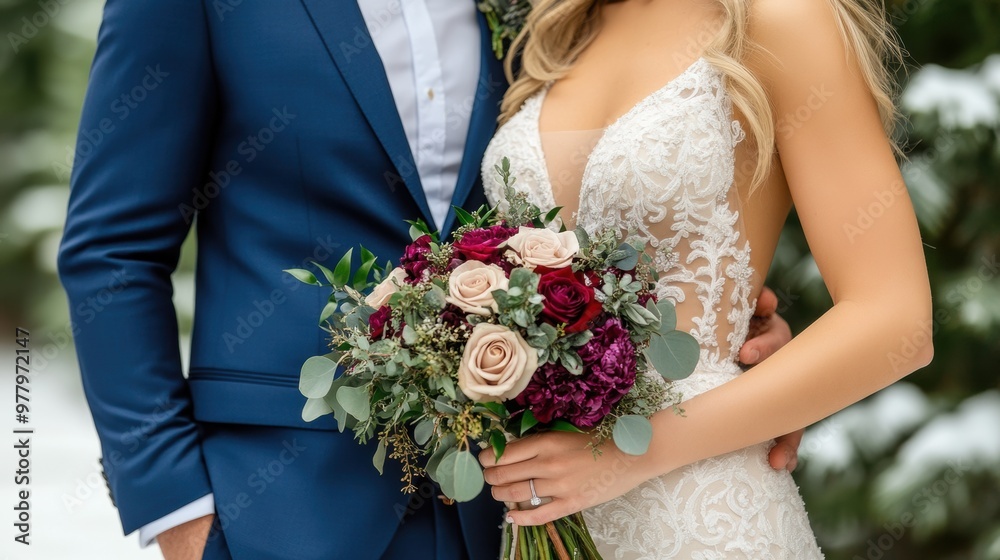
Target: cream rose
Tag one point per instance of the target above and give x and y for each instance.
(471, 284)
(532, 247)
(497, 364)
(388, 286)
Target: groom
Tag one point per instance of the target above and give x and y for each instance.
(286, 131)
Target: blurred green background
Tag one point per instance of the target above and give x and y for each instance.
(911, 473)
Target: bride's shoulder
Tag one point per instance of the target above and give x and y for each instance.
(799, 36)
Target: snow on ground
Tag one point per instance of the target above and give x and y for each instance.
(71, 514)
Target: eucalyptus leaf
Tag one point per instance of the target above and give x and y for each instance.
(378, 460)
(304, 276)
(674, 355)
(668, 316)
(625, 257)
(316, 377)
(444, 475)
(445, 408)
(447, 444)
(633, 434)
(461, 476)
(409, 334)
(423, 431)
(355, 401)
(314, 408)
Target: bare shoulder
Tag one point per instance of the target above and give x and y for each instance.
(797, 36)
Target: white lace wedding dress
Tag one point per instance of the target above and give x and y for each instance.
(665, 169)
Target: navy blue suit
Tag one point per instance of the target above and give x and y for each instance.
(269, 125)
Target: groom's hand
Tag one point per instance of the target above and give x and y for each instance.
(768, 333)
(187, 540)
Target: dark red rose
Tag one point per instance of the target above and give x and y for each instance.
(414, 260)
(484, 244)
(568, 299)
(378, 321)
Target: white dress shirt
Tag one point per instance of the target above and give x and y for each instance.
(431, 52)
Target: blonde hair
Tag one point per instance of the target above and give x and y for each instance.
(557, 31)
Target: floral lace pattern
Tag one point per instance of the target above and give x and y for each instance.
(664, 172)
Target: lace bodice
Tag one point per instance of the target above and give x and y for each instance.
(663, 170)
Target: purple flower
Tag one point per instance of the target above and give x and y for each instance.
(484, 244)
(379, 321)
(609, 369)
(414, 260)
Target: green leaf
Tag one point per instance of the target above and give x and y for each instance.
(668, 315)
(528, 421)
(464, 218)
(674, 355)
(461, 476)
(355, 402)
(444, 407)
(316, 377)
(423, 431)
(582, 237)
(496, 408)
(378, 460)
(499, 442)
(628, 259)
(633, 434)
(443, 476)
(304, 276)
(551, 215)
(342, 272)
(326, 271)
(328, 310)
(314, 408)
(361, 276)
(447, 444)
(564, 426)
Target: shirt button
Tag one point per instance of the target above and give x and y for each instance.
(430, 93)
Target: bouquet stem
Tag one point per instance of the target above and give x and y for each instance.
(563, 539)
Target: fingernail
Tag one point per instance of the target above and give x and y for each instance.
(510, 520)
(754, 356)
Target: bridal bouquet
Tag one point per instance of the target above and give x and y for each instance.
(510, 329)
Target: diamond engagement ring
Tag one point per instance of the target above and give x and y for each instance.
(535, 500)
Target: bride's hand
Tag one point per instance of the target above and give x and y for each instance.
(565, 471)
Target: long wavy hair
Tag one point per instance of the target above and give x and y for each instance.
(557, 31)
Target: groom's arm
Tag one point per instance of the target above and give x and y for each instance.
(145, 138)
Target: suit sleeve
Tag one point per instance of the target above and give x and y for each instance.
(144, 142)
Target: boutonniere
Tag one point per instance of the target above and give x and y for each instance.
(506, 19)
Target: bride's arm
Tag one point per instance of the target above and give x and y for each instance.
(839, 166)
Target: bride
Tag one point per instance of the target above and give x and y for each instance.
(696, 124)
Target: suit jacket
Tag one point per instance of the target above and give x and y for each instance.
(270, 126)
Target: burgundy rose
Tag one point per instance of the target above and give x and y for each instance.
(453, 316)
(583, 400)
(378, 321)
(483, 244)
(414, 260)
(568, 298)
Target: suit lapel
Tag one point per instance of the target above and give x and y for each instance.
(346, 37)
(482, 123)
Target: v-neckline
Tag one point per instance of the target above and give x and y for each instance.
(537, 117)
